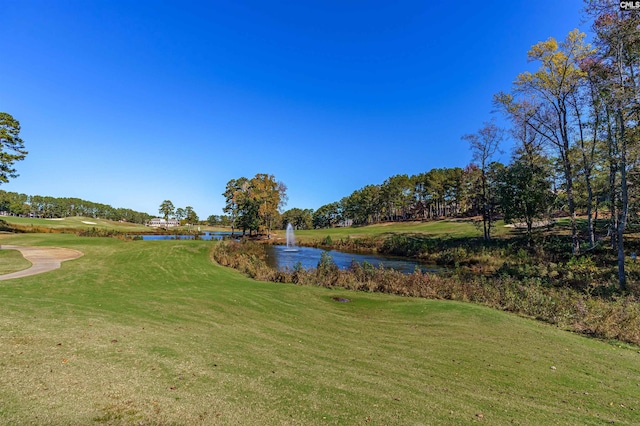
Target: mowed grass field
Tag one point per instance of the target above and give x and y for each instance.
(76, 222)
(154, 333)
(86, 223)
(459, 228)
(456, 228)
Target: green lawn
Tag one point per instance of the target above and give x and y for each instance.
(459, 228)
(12, 261)
(151, 332)
(75, 222)
(84, 223)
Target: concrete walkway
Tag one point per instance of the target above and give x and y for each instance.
(43, 259)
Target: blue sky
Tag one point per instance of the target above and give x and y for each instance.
(129, 103)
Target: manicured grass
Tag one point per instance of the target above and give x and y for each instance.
(458, 228)
(151, 332)
(76, 222)
(85, 223)
(12, 261)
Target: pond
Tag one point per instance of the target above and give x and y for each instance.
(280, 258)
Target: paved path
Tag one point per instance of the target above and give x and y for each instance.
(43, 259)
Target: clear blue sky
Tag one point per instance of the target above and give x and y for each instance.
(129, 103)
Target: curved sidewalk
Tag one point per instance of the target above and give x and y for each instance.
(43, 259)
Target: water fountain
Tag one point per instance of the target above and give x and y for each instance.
(291, 239)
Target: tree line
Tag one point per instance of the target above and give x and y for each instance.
(441, 192)
(16, 204)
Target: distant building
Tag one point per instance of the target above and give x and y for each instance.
(159, 222)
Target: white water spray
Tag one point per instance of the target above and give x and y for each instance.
(291, 239)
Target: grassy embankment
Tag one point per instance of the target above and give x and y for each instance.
(151, 332)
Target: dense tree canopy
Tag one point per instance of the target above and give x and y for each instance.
(218, 220)
(524, 193)
(11, 146)
(190, 215)
(438, 193)
(254, 203)
(13, 203)
(327, 216)
(298, 218)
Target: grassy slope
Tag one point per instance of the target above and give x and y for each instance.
(152, 332)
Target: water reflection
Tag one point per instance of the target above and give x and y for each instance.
(280, 258)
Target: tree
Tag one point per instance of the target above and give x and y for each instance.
(618, 38)
(327, 216)
(471, 188)
(544, 104)
(299, 218)
(218, 220)
(363, 205)
(270, 196)
(190, 215)
(455, 192)
(254, 203)
(484, 145)
(214, 220)
(234, 196)
(11, 146)
(248, 218)
(395, 196)
(180, 213)
(524, 192)
(589, 128)
(166, 209)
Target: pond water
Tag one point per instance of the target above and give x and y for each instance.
(281, 258)
(204, 236)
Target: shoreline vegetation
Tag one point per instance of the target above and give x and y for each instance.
(576, 293)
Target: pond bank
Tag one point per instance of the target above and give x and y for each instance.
(608, 318)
